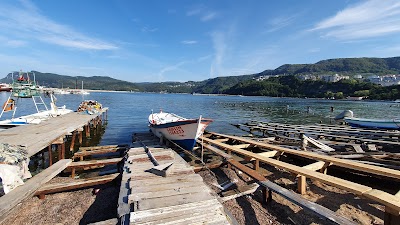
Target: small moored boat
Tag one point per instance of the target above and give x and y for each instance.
(347, 116)
(182, 131)
(25, 87)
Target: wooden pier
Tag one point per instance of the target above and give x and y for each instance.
(36, 137)
(159, 187)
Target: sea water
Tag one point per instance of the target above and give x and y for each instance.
(128, 112)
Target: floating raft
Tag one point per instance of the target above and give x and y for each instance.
(335, 133)
(159, 187)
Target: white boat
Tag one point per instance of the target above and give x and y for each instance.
(83, 92)
(347, 116)
(26, 88)
(61, 92)
(182, 131)
(5, 87)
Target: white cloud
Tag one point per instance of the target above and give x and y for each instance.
(220, 47)
(280, 22)
(26, 21)
(15, 43)
(367, 19)
(208, 16)
(149, 30)
(203, 13)
(189, 42)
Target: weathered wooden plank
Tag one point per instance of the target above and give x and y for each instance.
(75, 184)
(337, 162)
(195, 217)
(269, 154)
(153, 203)
(290, 195)
(93, 148)
(10, 200)
(341, 183)
(385, 198)
(300, 201)
(89, 163)
(112, 221)
(315, 166)
(140, 196)
(153, 215)
(169, 186)
(174, 179)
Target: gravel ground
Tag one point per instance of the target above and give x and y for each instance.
(249, 210)
(75, 207)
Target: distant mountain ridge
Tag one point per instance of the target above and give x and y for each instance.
(216, 85)
(341, 65)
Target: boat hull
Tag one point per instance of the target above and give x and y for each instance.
(183, 132)
(373, 123)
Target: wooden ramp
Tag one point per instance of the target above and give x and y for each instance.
(159, 187)
(36, 137)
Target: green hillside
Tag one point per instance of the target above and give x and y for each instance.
(245, 84)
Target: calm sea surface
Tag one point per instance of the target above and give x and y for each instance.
(128, 112)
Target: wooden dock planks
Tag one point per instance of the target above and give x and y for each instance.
(36, 137)
(180, 197)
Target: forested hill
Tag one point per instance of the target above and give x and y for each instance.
(94, 82)
(343, 66)
(230, 84)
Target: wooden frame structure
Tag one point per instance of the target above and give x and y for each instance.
(391, 202)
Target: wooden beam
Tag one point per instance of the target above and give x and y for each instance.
(91, 164)
(75, 184)
(302, 185)
(16, 196)
(337, 162)
(291, 196)
(315, 166)
(389, 200)
(81, 154)
(338, 182)
(242, 146)
(269, 154)
(71, 147)
(49, 148)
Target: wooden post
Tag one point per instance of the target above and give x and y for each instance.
(301, 185)
(87, 130)
(256, 165)
(267, 195)
(73, 172)
(391, 217)
(324, 169)
(63, 150)
(50, 155)
(71, 147)
(80, 134)
(59, 152)
(80, 137)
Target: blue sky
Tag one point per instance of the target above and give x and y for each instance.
(153, 41)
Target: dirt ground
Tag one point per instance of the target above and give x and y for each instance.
(75, 207)
(82, 206)
(249, 209)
